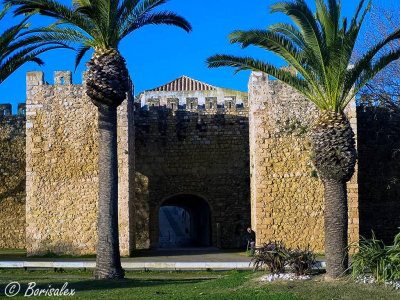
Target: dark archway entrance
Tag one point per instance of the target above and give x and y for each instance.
(184, 221)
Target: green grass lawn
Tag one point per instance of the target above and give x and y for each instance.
(12, 253)
(194, 285)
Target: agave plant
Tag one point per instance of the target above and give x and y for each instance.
(101, 25)
(319, 46)
(17, 46)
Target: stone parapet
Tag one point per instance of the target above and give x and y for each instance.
(229, 107)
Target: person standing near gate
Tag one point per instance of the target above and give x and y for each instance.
(251, 240)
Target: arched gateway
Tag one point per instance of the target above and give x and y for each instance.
(184, 221)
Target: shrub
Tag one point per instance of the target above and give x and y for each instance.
(373, 256)
(273, 256)
(302, 261)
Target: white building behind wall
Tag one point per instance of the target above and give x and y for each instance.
(190, 94)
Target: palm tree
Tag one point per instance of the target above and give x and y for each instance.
(18, 47)
(320, 48)
(101, 25)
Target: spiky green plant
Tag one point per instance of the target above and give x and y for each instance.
(101, 25)
(319, 46)
(302, 261)
(18, 47)
(273, 256)
(373, 256)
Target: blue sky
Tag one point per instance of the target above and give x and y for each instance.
(158, 54)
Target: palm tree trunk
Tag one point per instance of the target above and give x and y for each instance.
(108, 262)
(336, 223)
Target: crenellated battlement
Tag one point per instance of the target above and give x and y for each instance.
(368, 100)
(229, 107)
(35, 83)
(36, 78)
(273, 87)
(6, 110)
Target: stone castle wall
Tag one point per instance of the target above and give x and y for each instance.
(287, 199)
(62, 168)
(201, 153)
(12, 177)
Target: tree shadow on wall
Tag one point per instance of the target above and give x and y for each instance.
(378, 130)
(17, 189)
(12, 167)
(60, 250)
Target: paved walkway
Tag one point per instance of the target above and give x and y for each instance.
(165, 255)
(163, 259)
(190, 255)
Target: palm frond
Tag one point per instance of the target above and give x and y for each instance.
(371, 70)
(290, 32)
(97, 23)
(248, 63)
(328, 21)
(282, 47)
(9, 35)
(52, 9)
(81, 52)
(65, 34)
(364, 62)
(19, 58)
(18, 45)
(4, 11)
(319, 46)
(302, 16)
(166, 18)
(132, 13)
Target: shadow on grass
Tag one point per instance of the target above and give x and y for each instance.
(98, 285)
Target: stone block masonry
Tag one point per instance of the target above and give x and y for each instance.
(287, 199)
(188, 156)
(12, 177)
(62, 168)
